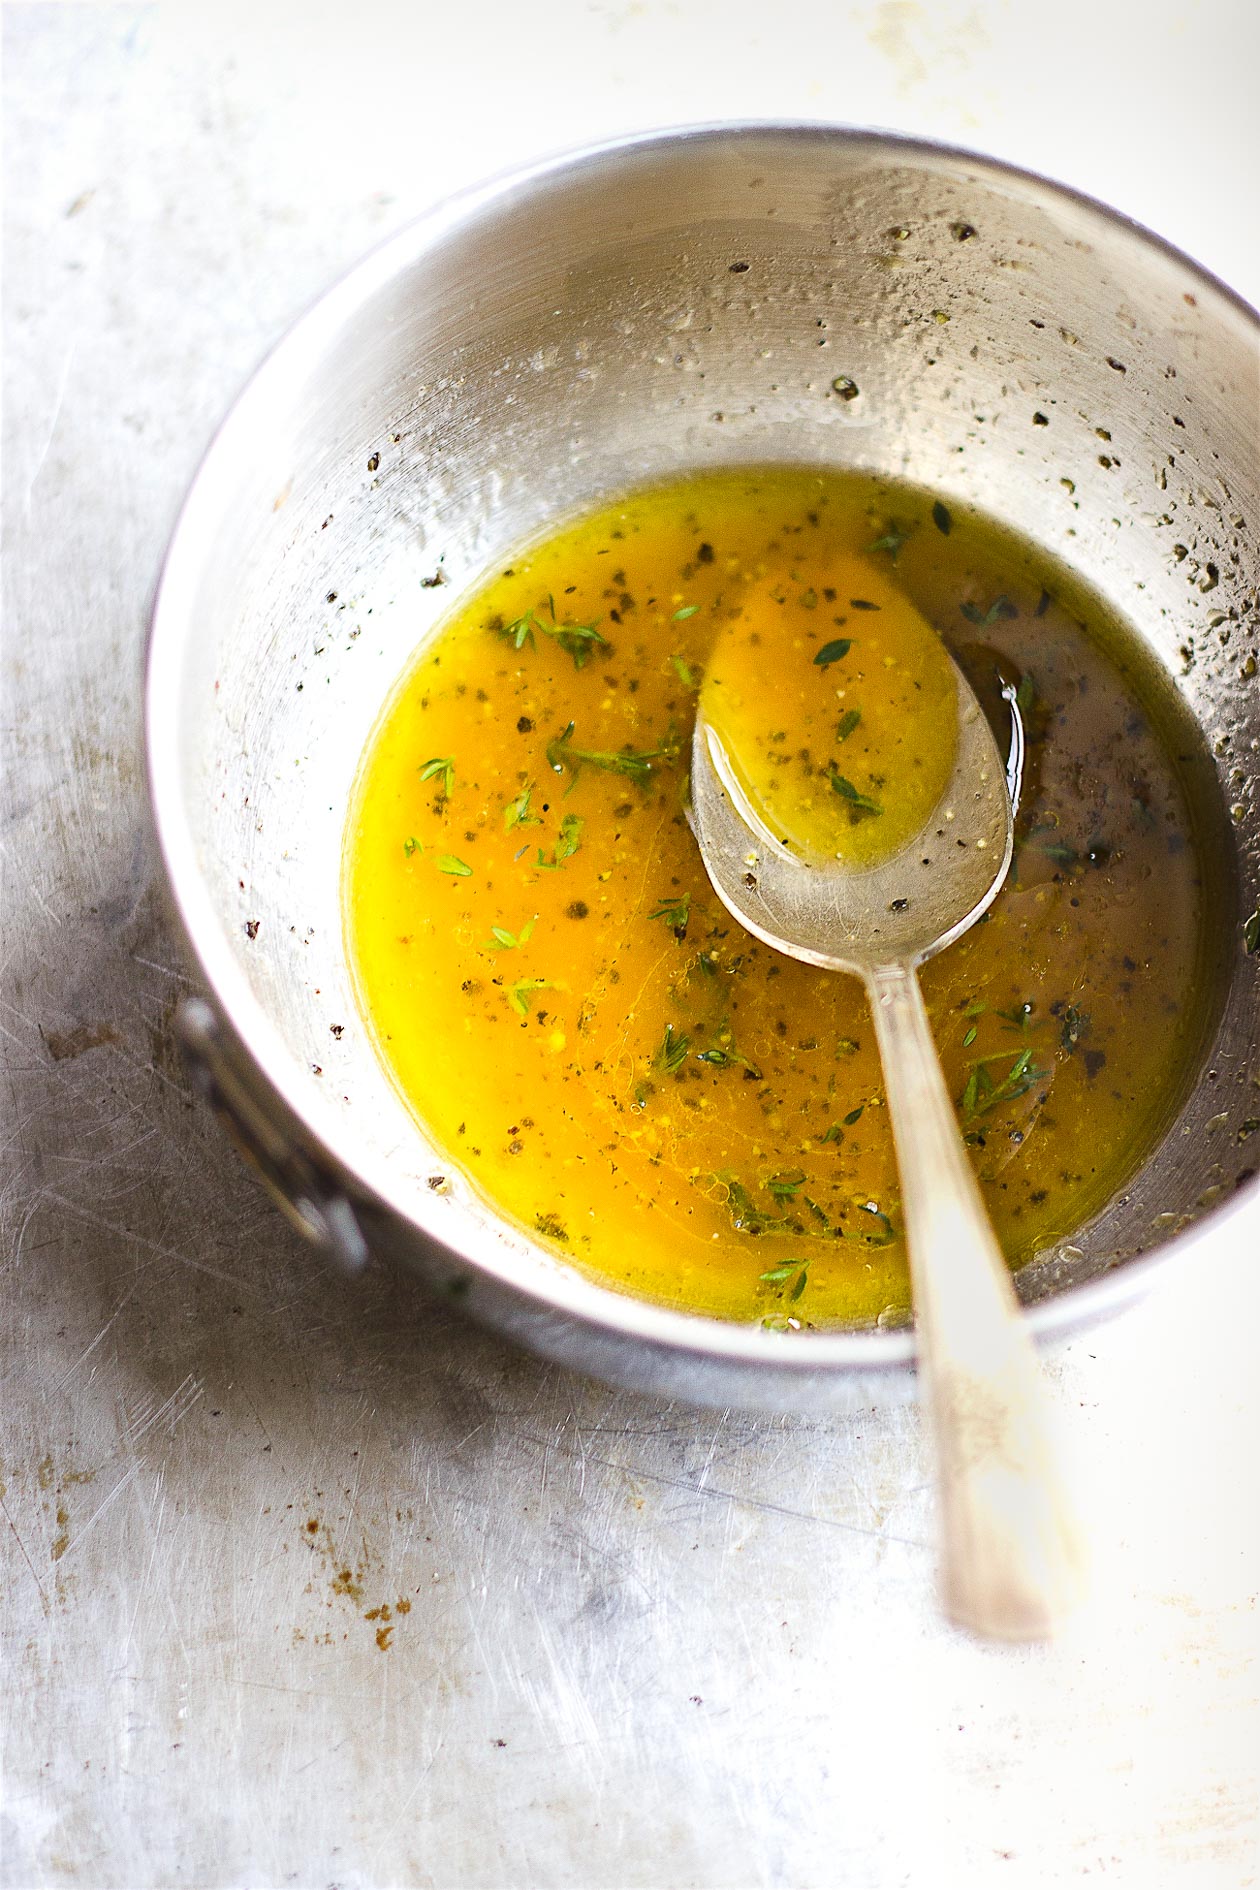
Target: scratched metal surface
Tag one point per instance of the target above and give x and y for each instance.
(308, 1583)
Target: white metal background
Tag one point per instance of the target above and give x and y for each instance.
(642, 1646)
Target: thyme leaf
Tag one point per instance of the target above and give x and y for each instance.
(450, 863)
(859, 803)
(520, 993)
(568, 841)
(637, 766)
(675, 912)
(1000, 607)
(516, 813)
(671, 1052)
(833, 652)
(443, 765)
(578, 639)
(847, 723)
(501, 940)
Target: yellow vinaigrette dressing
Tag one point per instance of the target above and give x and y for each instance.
(599, 1047)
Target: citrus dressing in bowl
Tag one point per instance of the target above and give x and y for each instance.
(592, 1040)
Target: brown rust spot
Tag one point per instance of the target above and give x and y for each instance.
(64, 1044)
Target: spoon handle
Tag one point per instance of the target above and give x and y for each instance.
(1011, 1562)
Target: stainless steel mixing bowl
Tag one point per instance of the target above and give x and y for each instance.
(684, 300)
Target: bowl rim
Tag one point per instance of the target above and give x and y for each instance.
(580, 1298)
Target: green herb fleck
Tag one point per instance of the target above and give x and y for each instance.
(578, 639)
(832, 652)
(688, 610)
(970, 1038)
(675, 913)
(520, 993)
(517, 814)
(746, 1216)
(859, 803)
(797, 1271)
(941, 518)
(501, 940)
(847, 723)
(687, 676)
(854, 1115)
(1000, 607)
(671, 1052)
(892, 541)
(1076, 1024)
(982, 1094)
(568, 841)
(412, 845)
(637, 766)
(443, 765)
(552, 1226)
(450, 864)
(785, 1187)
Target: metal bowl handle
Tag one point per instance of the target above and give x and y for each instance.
(306, 1194)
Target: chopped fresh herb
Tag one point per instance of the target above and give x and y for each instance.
(687, 676)
(854, 1115)
(785, 1187)
(941, 518)
(982, 1094)
(517, 814)
(450, 864)
(520, 993)
(1076, 1024)
(443, 765)
(834, 1134)
(637, 766)
(892, 541)
(578, 639)
(797, 1271)
(412, 845)
(501, 940)
(862, 603)
(552, 1226)
(671, 1052)
(859, 803)
(1017, 1018)
(885, 1234)
(847, 723)
(568, 841)
(688, 610)
(1000, 607)
(719, 1059)
(746, 1216)
(1251, 931)
(846, 1046)
(1026, 694)
(675, 913)
(832, 652)
(970, 1038)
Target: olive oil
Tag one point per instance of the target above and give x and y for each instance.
(676, 1108)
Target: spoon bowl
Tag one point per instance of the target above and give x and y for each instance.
(904, 909)
(1011, 1563)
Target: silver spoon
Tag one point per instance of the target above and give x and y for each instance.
(1011, 1564)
